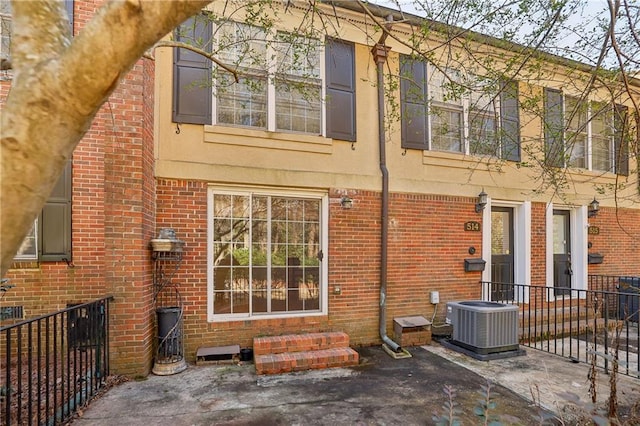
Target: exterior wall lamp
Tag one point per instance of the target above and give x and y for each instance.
(482, 201)
(346, 202)
(594, 208)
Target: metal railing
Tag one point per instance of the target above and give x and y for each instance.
(601, 321)
(52, 365)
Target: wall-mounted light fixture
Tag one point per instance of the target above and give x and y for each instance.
(482, 201)
(594, 207)
(346, 202)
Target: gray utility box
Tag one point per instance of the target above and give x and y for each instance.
(629, 298)
(484, 327)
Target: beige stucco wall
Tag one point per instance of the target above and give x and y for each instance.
(237, 155)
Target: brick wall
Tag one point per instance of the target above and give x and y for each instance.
(426, 252)
(618, 238)
(538, 244)
(118, 207)
(427, 247)
(182, 205)
(113, 219)
(128, 227)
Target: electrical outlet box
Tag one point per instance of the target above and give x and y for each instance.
(435, 297)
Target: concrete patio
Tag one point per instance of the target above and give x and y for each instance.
(380, 391)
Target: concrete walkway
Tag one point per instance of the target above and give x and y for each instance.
(381, 391)
(550, 381)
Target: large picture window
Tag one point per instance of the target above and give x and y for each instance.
(266, 254)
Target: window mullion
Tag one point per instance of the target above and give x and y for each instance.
(613, 164)
(500, 149)
(323, 92)
(269, 254)
(427, 102)
(251, 254)
(589, 139)
(214, 75)
(466, 105)
(272, 65)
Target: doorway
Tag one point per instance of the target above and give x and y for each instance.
(502, 253)
(562, 268)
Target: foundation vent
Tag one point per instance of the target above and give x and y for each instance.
(11, 312)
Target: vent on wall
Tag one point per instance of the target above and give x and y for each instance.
(11, 312)
(484, 327)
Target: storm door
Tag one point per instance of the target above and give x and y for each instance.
(502, 256)
(562, 270)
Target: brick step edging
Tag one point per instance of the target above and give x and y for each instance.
(299, 342)
(306, 360)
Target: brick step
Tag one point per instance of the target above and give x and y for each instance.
(564, 329)
(277, 363)
(299, 343)
(556, 316)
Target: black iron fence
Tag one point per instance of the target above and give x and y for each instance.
(52, 365)
(601, 321)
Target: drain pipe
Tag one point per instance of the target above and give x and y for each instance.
(379, 52)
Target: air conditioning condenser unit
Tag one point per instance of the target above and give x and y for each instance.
(484, 327)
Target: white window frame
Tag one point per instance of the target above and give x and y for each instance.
(271, 77)
(323, 197)
(6, 22)
(465, 104)
(589, 160)
(33, 233)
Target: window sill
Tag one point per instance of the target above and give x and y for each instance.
(268, 140)
(457, 160)
(575, 171)
(25, 264)
(262, 317)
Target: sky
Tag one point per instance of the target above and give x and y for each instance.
(587, 17)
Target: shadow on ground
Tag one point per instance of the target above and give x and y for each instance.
(380, 391)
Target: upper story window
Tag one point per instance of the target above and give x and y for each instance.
(281, 80)
(584, 134)
(280, 86)
(6, 22)
(445, 111)
(5, 28)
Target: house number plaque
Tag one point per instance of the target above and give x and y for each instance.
(594, 230)
(472, 226)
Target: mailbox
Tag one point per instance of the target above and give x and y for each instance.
(595, 258)
(474, 265)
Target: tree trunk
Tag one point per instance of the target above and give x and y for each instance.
(59, 84)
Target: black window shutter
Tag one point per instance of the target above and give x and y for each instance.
(553, 128)
(621, 141)
(413, 103)
(192, 89)
(68, 4)
(341, 90)
(55, 221)
(510, 121)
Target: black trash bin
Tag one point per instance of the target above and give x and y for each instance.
(628, 298)
(246, 354)
(169, 331)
